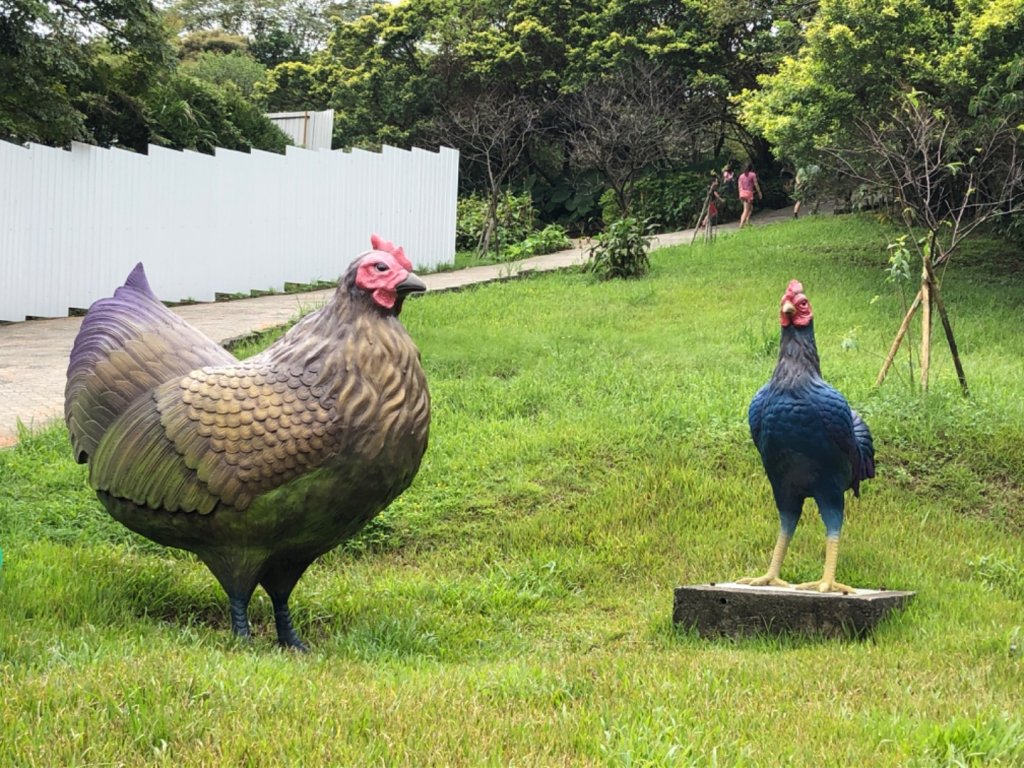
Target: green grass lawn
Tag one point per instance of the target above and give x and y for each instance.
(589, 452)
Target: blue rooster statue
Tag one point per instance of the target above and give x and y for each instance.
(812, 444)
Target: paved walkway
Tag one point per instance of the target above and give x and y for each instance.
(34, 355)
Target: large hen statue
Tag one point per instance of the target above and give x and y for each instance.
(258, 466)
(811, 443)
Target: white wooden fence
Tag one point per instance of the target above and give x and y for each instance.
(74, 223)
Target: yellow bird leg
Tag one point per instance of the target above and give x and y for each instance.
(828, 581)
(772, 577)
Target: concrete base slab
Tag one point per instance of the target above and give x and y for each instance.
(732, 610)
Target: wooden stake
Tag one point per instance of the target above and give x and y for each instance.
(904, 327)
(926, 330)
(948, 328)
(703, 213)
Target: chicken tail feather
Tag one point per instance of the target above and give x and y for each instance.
(128, 344)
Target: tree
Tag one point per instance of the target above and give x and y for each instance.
(186, 113)
(378, 76)
(630, 122)
(921, 101)
(295, 86)
(237, 68)
(210, 41)
(277, 30)
(51, 54)
(492, 132)
(948, 179)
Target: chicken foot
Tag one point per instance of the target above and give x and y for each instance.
(772, 577)
(828, 582)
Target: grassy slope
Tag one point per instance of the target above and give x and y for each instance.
(589, 451)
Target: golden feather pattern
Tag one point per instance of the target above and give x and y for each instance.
(242, 430)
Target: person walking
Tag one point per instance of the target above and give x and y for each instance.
(748, 185)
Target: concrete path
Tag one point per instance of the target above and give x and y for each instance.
(34, 355)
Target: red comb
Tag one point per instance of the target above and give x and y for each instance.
(380, 244)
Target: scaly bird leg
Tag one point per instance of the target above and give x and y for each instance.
(279, 581)
(828, 581)
(286, 635)
(772, 577)
(239, 609)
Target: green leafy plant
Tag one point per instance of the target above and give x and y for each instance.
(673, 200)
(515, 221)
(548, 240)
(621, 251)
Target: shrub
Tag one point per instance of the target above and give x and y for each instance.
(621, 251)
(515, 220)
(548, 240)
(670, 200)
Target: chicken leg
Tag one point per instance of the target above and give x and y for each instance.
(238, 606)
(279, 581)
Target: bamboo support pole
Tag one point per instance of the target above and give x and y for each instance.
(948, 329)
(700, 218)
(926, 330)
(904, 327)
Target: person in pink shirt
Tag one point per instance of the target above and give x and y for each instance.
(747, 186)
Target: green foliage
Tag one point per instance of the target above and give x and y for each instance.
(515, 220)
(548, 240)
(105, 75)
(572, 200)
(860, 58)
(211, 41)
(620, 251)
(274, 30)
(669, 200)
(187, 113)
(51, 59)
(236, 68)
(294, 86)
(589, 452)
(381, 81)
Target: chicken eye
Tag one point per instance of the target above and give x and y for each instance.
(380, 266)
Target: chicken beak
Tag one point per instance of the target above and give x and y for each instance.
(788, 308)
(411, 284)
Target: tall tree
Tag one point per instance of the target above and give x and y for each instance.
(50, 58)
(632, 121)
(491, 131)
(277, 30)
(921, 100)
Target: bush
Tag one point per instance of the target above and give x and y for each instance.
(621, 251)
(548, 240)
(671, 200)
(515, 221)
(186, 113)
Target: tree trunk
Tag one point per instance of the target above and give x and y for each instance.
(762, 156)
(490, 233)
